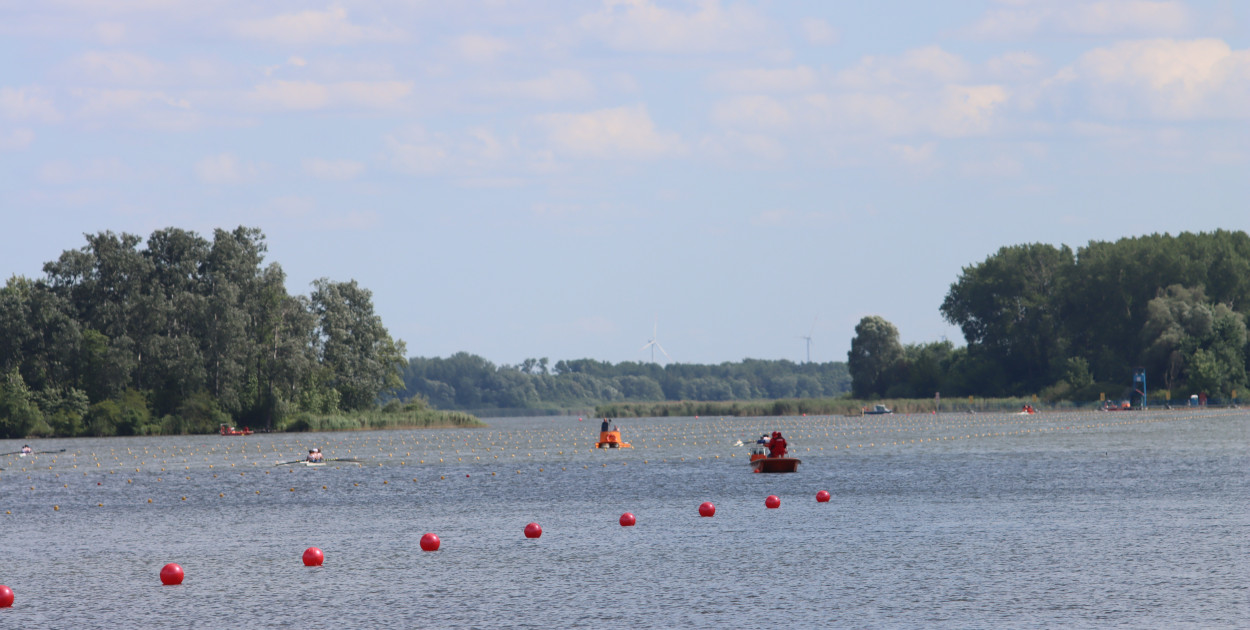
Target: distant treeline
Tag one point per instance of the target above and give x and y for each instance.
(806, 406)
(466, 381)
(1069, 325)
(182, 335)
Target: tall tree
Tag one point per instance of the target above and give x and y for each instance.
(875, 353)
(355, 346)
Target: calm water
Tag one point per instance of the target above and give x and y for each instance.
(1135, 520)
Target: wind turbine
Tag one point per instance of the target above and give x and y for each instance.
(653, 343)
(808, 337)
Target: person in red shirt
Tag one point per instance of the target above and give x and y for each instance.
(777, 445)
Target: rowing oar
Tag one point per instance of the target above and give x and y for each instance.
(298, 461)
(32, 452)
(344, 459)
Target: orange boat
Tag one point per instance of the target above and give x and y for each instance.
(229, 430)
(610, 437)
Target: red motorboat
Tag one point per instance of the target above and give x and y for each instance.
(229, 430)
(770, 456)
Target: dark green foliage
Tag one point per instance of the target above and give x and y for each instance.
(875, 358)
(192, 331)
(465, 381)
(1044, 319)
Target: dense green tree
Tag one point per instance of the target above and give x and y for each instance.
(353, 343)
(1010, 308)
(188, 330)
(874, 356)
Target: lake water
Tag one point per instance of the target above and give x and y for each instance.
(1131, 519)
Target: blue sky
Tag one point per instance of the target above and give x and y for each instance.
(554, 179)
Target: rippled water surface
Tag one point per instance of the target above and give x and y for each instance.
(1134, 520)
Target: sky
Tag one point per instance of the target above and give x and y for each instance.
(563, 179)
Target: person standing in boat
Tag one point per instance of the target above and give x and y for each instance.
(605, 427)
(777, 445)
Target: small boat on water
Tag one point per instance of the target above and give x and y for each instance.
(610, 437)
(877, 410)
(312, 464)
(770, 456)
(229, 430)
(765, 464)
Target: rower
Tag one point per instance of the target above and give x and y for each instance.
(314, 455)
(27, 450)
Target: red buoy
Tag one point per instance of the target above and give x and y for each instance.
(533, 530)
(822, 496)
(6, 596)
(628, 520)
(772, 502)
(430, 542)
(707, 509)
(313, 557)
(171, 574)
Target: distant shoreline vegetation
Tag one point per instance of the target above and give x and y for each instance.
(839, 407)
(469, 382)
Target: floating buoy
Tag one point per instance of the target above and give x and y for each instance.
(171, 574)
(430, 542)
(6, 596)
(772, 502)
(533, 530)
(822, 496)
(707, 509)
(628, 520)
(313, 557)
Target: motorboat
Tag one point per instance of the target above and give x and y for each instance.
(762, 462)
(229, 430)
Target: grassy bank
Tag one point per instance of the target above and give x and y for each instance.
(818, 406)
(368, 420)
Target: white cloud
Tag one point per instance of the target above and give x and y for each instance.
(968, 109)
(416, 151)
(1015, 66)
(1164, 78)
(621, 132)
(818, 32)
(113, 67)
(557, 85)
(338, 170)
(1081, 17)
(330, 27)
(225, 168)
(27, 103)
(795, 79)
(111, 33)
(920, 66)
(311, 95)
(920, 155)
(642, 25)
(731, 146)
(16, 139)
(479, 48)
(752, 111)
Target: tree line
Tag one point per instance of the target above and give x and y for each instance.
(180, 334)
(1064, 324)
(467, 381)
